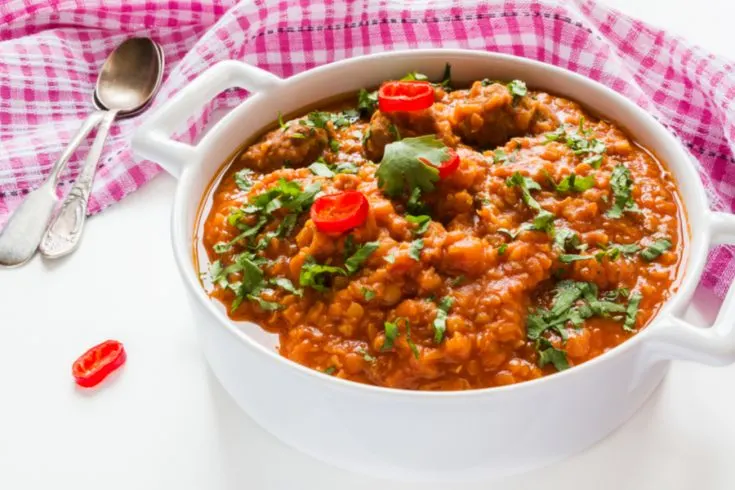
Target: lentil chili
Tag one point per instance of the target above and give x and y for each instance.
(552, 238)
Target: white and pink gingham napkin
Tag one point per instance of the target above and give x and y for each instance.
(51, 50)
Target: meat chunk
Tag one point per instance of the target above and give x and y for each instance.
(297, 145)
(388, 127)
(489, 116)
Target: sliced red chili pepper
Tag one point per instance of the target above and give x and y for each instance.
(405, 96)
(340, 212)
(94, 365)
(446, 167)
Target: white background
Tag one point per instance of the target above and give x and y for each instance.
(165, 423)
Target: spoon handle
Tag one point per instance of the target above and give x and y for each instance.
(22, 233)
(63, 234)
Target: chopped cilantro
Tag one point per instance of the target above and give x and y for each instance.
(391, 333)
(243, 179)
(499, 156)
(414, 250)
(330, 370)
(421, 221)
(345, 168)
(653, 251)
(353, 263)
(321, 169)
(621, 183)
(283, 125)
(631, 312)
(517, 89)
(286, 285)
(440, 321)
(315, 275)
(414, 204)
(367, 101)
(575, 183)
(502, 249)
(548, 354)
(447, 77)
(334, 145)
(544, 220)
(265, 305)
(390, 258)
(367, 356)
(403, 164)
(298, 136)
(565, 238)
(395, 132)
(368, 294)
(409, 340)
(456, 281)
(580, 143)
(415, 76)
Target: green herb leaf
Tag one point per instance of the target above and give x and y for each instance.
(499, 156)
(421, 221)
(409, 340)
(390, 258)
(367, 356)
(283, 126)
(265, 305)
(447, 77)
(456, 281)
(414, 204)
(330, 370)
(415, 249)
(621, 183)
(575, 183)
(321, 169)
(502, 249)
(565, 238)
(653, 251)
(355, 261)
(517, 88)
(548, 354)
(391, 333)
(367, 101)
(544, 220)
(243, 179)
(368, 294)
(414, 75)
(315, 275)
(569, 258)
(345, 168)
(631, 312)
(403, 164)
(440, 321)
(287, 285)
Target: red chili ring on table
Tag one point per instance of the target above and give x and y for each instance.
(98, 362)
(446, 167)
(336, 213)
(405, 96)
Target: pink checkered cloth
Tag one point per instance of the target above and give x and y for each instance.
(50, 51)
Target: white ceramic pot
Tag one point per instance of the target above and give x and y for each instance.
(419, 435)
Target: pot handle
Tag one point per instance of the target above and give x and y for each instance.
(153, 141)
(680, 340)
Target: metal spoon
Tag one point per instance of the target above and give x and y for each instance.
(128, 80)
(134, 74)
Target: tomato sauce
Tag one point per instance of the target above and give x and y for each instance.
(554, 239)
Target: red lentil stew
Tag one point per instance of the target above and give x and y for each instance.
(432, 238)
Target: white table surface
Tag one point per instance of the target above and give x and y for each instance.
(164, 422)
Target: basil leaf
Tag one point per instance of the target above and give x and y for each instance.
(653, 251)
(440, 321)
(353, 263)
